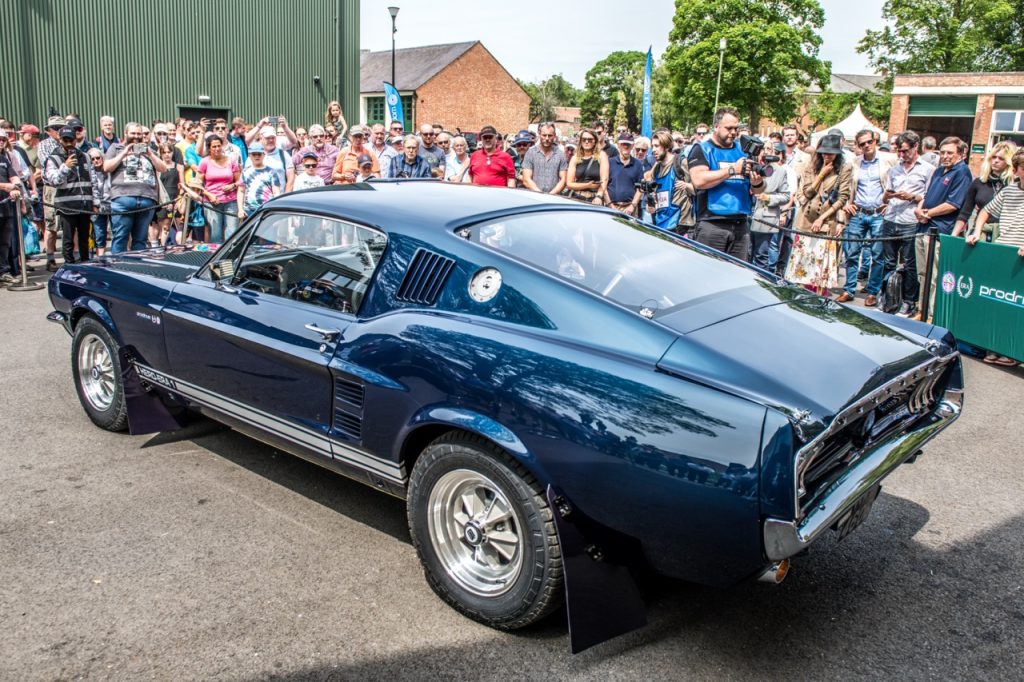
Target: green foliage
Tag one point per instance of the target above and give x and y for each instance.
(829, 107)
(618, 72)
(926, 36)
(771, 54)
(552, 92)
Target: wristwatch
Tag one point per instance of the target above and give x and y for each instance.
(732, 171)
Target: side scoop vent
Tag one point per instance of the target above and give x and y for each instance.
(427, 273)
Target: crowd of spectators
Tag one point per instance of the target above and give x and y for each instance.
(805, 211)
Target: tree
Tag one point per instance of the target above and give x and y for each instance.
(831, 107)
(552, 92)
(950, 36)
(771, 54)
(619, 71)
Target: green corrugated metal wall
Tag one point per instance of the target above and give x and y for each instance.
(141, 59)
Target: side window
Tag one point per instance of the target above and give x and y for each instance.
(315, 260)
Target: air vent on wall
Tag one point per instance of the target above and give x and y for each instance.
(425, 277)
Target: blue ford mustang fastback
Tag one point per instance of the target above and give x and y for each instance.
(563, 395)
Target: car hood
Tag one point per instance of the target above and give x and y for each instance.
(175, 264)
(807, 357)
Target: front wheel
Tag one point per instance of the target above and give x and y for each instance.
(484, 533)
(96, 368)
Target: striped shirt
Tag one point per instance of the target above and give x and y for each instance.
(1008, 208)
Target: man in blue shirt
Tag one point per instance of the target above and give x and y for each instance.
(623, 173)
(941, 205)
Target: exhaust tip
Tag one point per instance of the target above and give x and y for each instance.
(775, 573)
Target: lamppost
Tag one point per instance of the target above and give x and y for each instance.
(721, 58)
(394, 13)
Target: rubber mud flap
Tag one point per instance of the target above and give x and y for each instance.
(146, 411)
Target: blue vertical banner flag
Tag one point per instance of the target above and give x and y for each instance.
(393, 102)
(645, 122)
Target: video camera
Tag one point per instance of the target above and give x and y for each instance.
(752, 146)
(646, 186)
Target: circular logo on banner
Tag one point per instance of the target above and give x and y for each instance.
(965, 286)
(948, 282)
(392, 99)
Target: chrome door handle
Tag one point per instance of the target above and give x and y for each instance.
(327, 334)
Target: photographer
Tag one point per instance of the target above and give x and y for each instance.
(724, 181)
(768, 215)
(134, 169)
(668, 187)
(67, 171)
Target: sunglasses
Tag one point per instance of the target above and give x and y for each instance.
(309, 165)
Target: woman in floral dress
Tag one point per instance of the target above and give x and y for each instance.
(826, 189)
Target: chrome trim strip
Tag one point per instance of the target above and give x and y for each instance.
(929, 372)
(783, 539)
(306, 436)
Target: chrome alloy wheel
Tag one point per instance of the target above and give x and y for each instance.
(475, 532)
(96, 372)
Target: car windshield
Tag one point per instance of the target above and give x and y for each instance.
(635, 265)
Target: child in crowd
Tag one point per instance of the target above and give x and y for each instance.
(365, 168)
(308, 178)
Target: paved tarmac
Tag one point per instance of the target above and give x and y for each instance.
(204, 554)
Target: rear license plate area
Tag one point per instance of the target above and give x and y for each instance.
(857, 513)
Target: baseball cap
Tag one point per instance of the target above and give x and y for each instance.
(357, 130)
(55, 122)
(29, 129)
(256, 148)
(267, 131)
(522, 137)
(67, 132)
(488, 130)
(364, 160)
(75, 122)
(626, 137)
(395, 139)
(309, 155)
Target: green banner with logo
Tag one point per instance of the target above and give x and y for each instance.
(980, 295)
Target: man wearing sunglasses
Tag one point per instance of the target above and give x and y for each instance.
(346, 168)
(489, 165)
(431, 151)
(326, 154)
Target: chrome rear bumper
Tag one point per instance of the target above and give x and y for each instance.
(783, 539)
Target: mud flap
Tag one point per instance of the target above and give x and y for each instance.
(147, 412)
(601, 597)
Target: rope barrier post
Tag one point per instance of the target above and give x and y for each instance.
(926, 293)
(24, 286)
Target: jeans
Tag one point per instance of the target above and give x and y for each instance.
(133, 226)
(902, 250)
(221, 221)
(860, 227)
(762, 249)
(100, 225)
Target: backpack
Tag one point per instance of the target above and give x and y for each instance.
(890, 298)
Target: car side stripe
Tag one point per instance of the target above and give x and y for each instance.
(273, 424)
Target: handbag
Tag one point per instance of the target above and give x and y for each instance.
(30, 238)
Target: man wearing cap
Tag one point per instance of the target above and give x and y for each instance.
(10, 192)
(134, 172)
(277, 159)
(489, 165)
(308, 176)
(326, 154)
(394, 149)
(521, 143)
(347, 165)
(723, 182)
(67, 170)
(47, 147)
(544, 166)
(431, 151)
(623, 173)
(410, 164)
(107, 137)
(259, 183)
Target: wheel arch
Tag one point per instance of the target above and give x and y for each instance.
(86, 305)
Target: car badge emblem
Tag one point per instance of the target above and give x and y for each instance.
(485, 285)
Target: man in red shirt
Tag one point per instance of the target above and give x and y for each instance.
(489, 165)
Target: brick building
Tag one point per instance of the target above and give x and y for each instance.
(980, 108)
(840, 83)
(459, 85)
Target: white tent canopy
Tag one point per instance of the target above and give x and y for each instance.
(851, 125)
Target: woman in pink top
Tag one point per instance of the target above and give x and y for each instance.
(217, 178)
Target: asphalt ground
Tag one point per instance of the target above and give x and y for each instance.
(204, 554)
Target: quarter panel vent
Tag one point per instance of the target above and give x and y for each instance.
(426, 276)
(349, 391)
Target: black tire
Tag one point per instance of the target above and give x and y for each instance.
(95, 366)
(524, 595)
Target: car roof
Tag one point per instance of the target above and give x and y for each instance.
(420, 206)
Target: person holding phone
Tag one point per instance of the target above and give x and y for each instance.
(134, 171)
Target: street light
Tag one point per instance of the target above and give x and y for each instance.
(721, 58)
(394, 13)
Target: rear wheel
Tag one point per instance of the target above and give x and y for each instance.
(484, 533)
(96, 368)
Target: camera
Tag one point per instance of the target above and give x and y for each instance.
(272, 120)
(752, 146)
(140, 148)
(646, 186)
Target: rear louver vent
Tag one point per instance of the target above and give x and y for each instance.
(349, 392)
(425, 277)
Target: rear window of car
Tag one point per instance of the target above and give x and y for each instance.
(637, 266)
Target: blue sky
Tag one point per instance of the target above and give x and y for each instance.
(535, 39)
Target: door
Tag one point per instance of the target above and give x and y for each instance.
(257, 345)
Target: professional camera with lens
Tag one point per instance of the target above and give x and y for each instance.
(752, 146)
(647, 186)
